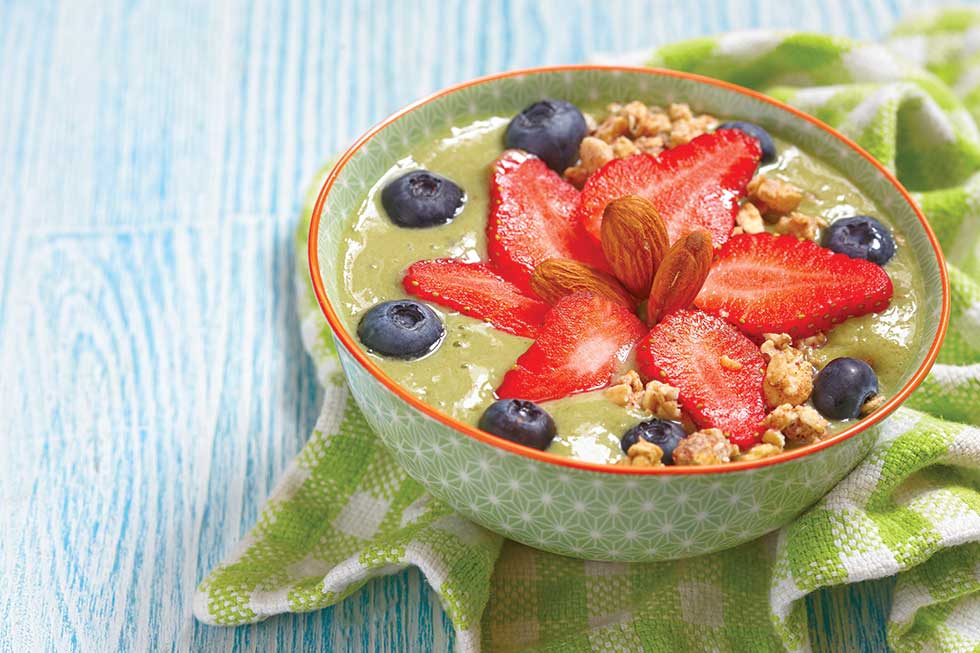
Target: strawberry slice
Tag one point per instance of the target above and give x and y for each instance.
(532, 219)
(475, 290)
(779, 284)
(693, 186)
(685, 350)
(585, 340)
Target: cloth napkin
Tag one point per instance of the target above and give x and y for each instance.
(344, 512)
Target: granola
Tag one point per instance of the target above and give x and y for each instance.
(634, 128)
(800, 225)
(643, 454)
(748, 220)
(789, 375)
(798, 423)
(775, 195)
(706, 447)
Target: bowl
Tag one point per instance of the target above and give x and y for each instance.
(589, 510)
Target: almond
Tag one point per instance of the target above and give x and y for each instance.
(680, 275)
(557, 277)
(634, 240)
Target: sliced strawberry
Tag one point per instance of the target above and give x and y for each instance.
(532, 219)
(685, 350)
(585, 340)
(475, 290)
(780, 284)
(693, 186)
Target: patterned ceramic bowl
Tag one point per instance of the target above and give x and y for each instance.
(584, 509)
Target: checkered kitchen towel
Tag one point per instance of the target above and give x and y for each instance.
(345, 513)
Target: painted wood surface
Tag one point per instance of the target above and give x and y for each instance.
(152, 382)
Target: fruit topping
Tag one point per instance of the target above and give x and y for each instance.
(661, 432)
(422, 199)
(532, 219)
(475, 290)
(860, 236)
(680, 275)
(401, 329)
(634, 241)
(585, 340)
(523, 422)
(766, 143)
(551, 129)
(558, 277)
(842, 387)
(685, 350)
(695, 185)
(764, 283)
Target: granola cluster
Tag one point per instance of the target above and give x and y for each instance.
(643, 454)
(632, 128)
(798, 423)
(656, 398)
(775, 201)
(789, 375)
(705, 447)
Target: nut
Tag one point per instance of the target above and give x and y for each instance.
(634, 241)
(680, 275)
(557, 277)
(777, 195)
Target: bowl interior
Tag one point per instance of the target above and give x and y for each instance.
(381, 148)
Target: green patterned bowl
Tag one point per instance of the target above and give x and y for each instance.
(583, 509)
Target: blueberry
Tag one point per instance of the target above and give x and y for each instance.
(860, 236)
(401, 329)
(758, 133)
(661, 432)
(523, 422)
(842, 387)
(551, 129)
(422, 199)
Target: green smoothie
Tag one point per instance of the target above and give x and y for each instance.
(459, 377)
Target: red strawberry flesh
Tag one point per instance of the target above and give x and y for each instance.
(685, 350)
(780, 284)
(585, 341)
(475, 290)
(532, 219)
(695, 185)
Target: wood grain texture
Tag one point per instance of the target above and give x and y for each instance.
(153, 385)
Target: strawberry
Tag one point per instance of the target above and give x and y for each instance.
(585, 340)
(779, 284)
(693, 186)
(475, 290)
(685, 350)
(532, 219)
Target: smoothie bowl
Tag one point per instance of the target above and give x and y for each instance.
(623, 314)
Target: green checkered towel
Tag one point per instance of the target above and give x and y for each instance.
(345, 512)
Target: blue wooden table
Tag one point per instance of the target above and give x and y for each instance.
(152, 382)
